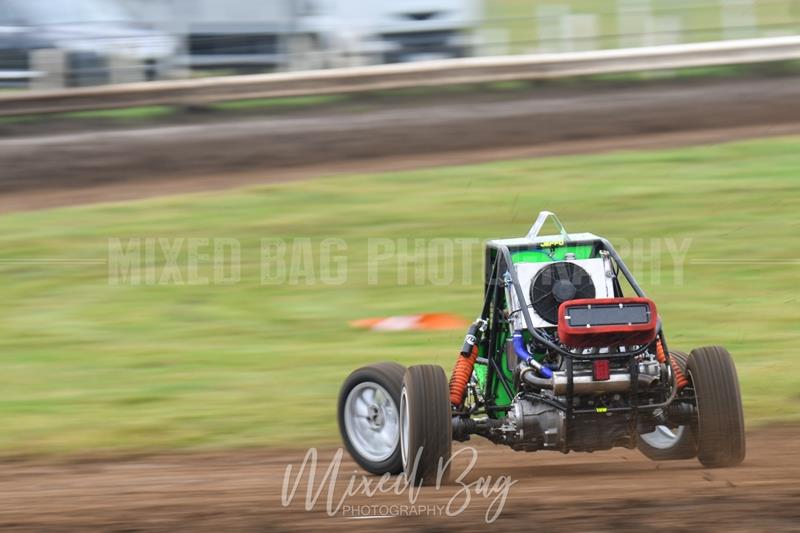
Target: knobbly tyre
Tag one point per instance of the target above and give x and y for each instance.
(559, 359)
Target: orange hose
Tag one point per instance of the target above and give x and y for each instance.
(460, 377)
(680, 379)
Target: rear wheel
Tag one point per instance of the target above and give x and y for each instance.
(425, 424)
(369, 417)
(720, 421)
(670, 443)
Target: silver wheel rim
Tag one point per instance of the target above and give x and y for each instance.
(371, 421)
(404, 428)
(663, 437)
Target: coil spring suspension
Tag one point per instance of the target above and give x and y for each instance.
(459, 378)
(680, 378)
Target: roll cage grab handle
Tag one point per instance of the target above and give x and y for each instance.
(539, 224)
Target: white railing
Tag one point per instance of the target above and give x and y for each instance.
(388, 77)
(24, 75)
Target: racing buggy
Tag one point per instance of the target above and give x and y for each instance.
(560, 358)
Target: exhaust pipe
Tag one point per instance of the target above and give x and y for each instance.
(583, 382)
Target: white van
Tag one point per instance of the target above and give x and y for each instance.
(285, 34)
(89, 32)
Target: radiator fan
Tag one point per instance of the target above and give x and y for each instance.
(557, 283)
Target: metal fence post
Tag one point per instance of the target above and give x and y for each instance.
(125, 69)
(52, 63)
(739, 20)
(580, 32)
(550, 22)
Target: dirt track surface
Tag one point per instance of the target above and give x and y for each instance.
(39, 169)
(241, 491)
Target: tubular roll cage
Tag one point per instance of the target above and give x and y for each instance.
(503, 274)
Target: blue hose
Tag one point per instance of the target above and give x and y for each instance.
(524, 355)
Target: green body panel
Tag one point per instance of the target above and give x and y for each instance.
(480, 372)
(555, 253)
(501, 396)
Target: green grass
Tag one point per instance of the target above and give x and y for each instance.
(89, 366)
(154, 113)
(127, 113)
(289, 102)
